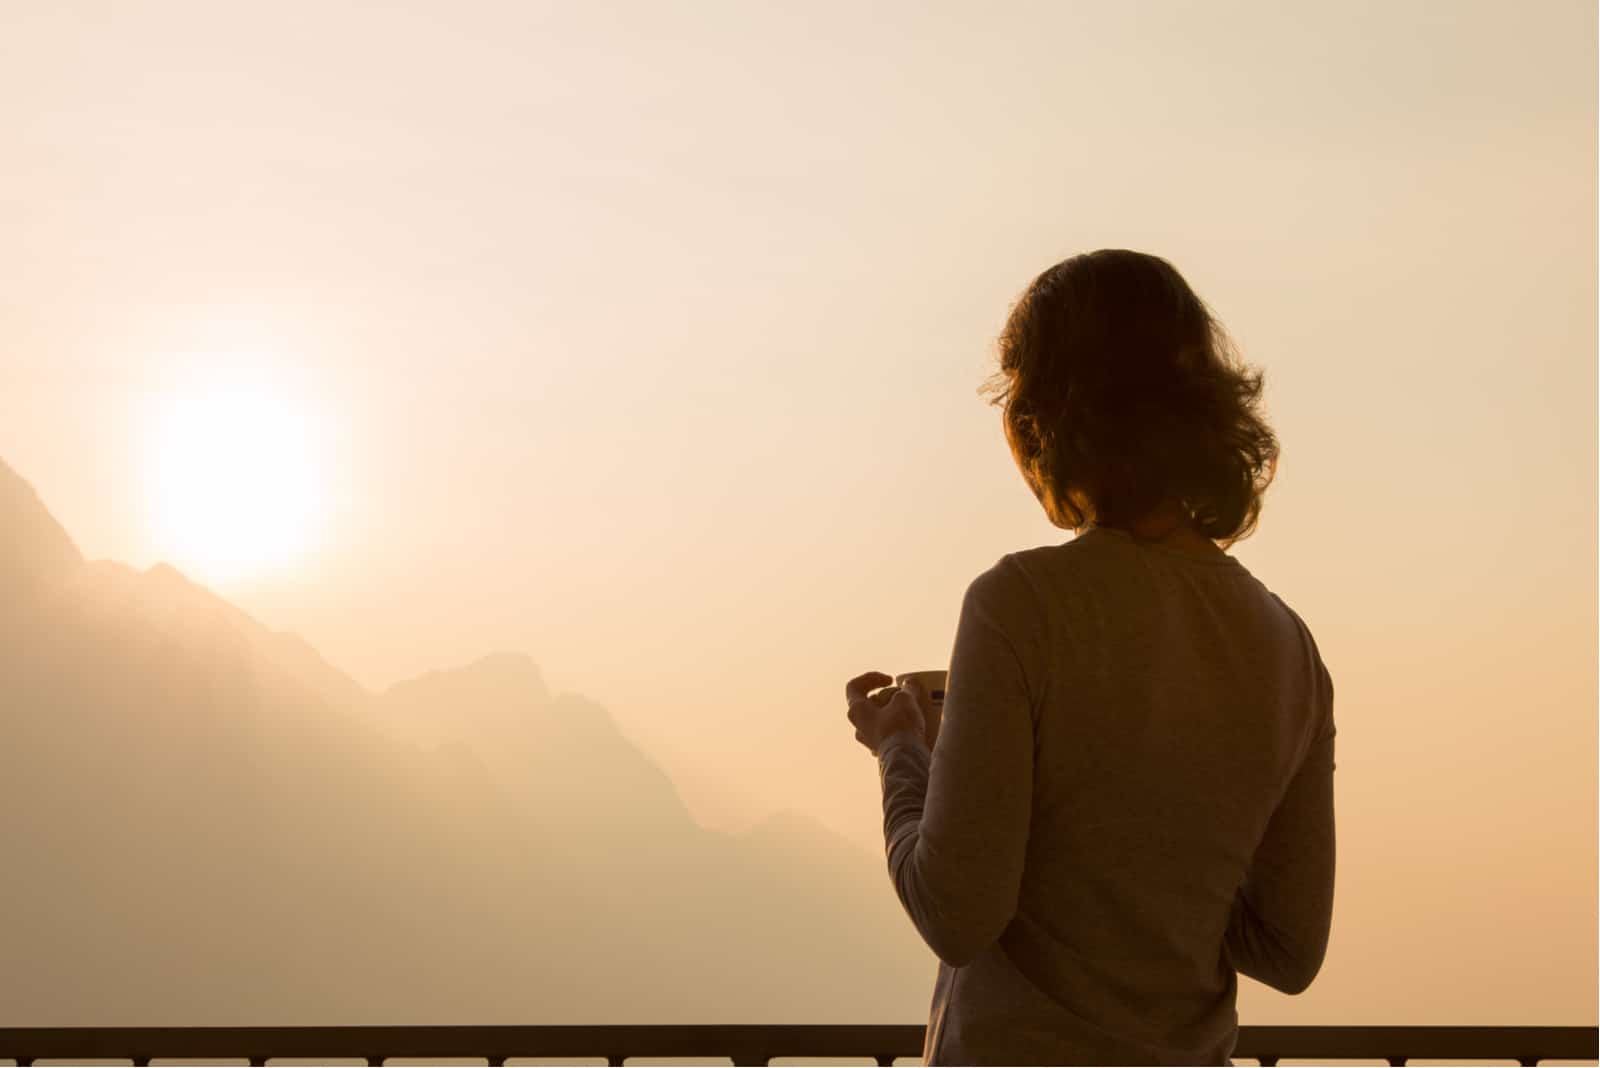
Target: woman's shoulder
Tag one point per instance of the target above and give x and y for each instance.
(1006, 580)
(1022, 582)
(1084, 551)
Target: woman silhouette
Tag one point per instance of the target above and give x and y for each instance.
(1130, 797)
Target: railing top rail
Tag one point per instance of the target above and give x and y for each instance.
(744, 1044)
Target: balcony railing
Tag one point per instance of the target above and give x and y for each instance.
(741, 1044)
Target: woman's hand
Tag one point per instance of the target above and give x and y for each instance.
(886, 712)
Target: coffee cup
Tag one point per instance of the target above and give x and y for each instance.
(933, 686)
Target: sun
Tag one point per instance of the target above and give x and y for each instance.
(237, 478)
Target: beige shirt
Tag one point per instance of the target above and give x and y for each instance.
(1130, 800)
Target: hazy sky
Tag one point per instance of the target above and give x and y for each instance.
(645, 339)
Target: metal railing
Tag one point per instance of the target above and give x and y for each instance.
(741, 1044)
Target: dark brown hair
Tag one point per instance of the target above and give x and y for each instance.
(1122, 393)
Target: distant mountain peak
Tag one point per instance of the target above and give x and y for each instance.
(520, 666)
(497, 679)
(516, 670)
(163, 576)
(35, 549)
(167, 573)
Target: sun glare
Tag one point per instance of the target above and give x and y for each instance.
(237, 482)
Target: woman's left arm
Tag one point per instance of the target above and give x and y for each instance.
(955, 820)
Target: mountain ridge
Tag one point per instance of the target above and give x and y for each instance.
(34, 546)
(211, 803)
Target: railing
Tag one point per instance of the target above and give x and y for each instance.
(741, 1044)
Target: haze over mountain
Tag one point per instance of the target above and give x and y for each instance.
(205, 823)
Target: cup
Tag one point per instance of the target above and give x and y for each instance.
(933, 685)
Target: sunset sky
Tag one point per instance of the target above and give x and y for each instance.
(646, 340)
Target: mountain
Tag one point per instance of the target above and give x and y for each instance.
(205, 823)
(34, 549)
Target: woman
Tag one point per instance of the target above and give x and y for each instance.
(1129, 798)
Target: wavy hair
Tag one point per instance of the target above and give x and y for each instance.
(1121, 393)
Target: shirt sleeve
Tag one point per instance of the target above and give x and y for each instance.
(955, 820)
(1282, 916)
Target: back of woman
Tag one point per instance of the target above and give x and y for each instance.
(1129, 799)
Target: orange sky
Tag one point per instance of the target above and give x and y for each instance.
(647, 343)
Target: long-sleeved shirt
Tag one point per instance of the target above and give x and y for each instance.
(1129, 801)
